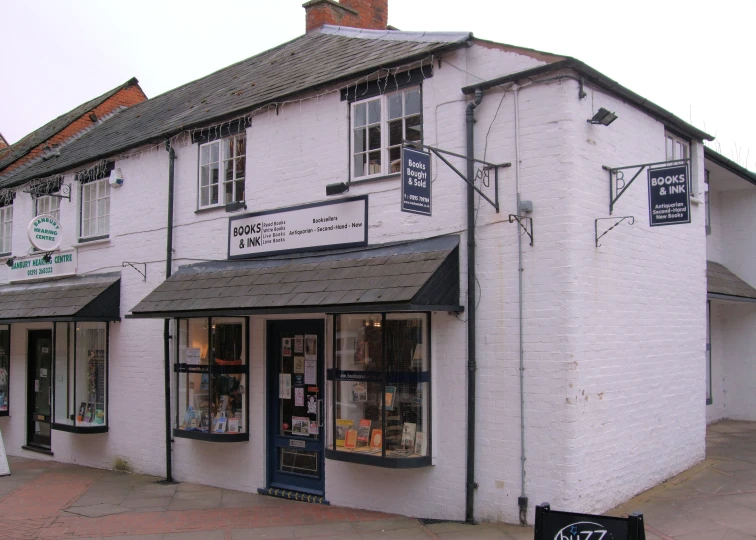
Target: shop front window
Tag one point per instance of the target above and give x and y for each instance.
(81, 377)
(4, 368)
(211, 378)
(381, 389)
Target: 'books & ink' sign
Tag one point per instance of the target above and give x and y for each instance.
(416, 182)
(668, 195)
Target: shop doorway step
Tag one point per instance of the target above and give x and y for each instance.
(425, 521)
(293, 495)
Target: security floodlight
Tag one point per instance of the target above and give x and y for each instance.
(603, 117)
(337, 189)
(236, 206)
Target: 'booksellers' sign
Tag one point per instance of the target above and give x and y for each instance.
(668, 195)
(328, 225)
(416, 182)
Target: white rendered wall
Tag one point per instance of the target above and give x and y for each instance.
(599, 372)
(717, 410)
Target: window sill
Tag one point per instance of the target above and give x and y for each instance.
(209, 209)
(79, 429)
(211, 437)
(370, 179)
(378, 461)
(94, 241)
(5, 256)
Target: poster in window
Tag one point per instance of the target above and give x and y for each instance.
(298, 344)
(311, 372)
(286, 346)
(311, 346)
(359, 391)
(300, 425)
(284, 386)
(299, 397)
(193, 356)
(299, 364)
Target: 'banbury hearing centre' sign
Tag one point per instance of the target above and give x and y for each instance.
(668, 195)
(553, 525)
(45, 233)
(416, 182)
(317, 226)
(43, 266)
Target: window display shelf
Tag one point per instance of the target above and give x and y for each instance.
(211, 437)
(80, 429)
(412, 461)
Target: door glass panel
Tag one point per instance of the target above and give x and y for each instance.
(4, 366)
(64, 411)
(298, 389)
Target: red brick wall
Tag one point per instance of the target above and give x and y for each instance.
(371, 14)
(125, 97)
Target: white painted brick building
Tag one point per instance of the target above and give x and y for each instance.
(613, 337)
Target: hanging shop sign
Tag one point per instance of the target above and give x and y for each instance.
(43, 266)
(553, 525)
(45, 232)
(416, 182)
(668, 195)
(328, 225)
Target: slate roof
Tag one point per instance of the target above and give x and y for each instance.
(413, 275)
(22, 147)
(313, 60)
(721, 281)
(95, 298)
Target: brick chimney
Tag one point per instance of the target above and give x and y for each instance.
(370, 14)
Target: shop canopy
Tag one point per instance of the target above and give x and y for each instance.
(724, 285)
(411, 276)
(82, 298)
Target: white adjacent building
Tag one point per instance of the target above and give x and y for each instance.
(334, 362)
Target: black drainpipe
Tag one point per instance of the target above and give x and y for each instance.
(167, 322)
(471, 363)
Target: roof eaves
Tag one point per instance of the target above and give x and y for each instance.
(602, 81)
(730, 165)
(15, 180)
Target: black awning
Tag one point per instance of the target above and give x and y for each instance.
(86, 298)
(410, 276)
(722, 284)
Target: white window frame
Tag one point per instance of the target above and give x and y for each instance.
(238, 164)
(47, 204)
(675, 148)
(387, 166)
(6, 229)
(101, 189)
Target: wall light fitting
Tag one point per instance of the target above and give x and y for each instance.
(10, 262)
(235, 206)
(337, 189)
(603, 117)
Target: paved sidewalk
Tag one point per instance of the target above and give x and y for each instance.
(715, 500)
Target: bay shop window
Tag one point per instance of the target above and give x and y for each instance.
(80, 373)
(211, 378)
(381, 390)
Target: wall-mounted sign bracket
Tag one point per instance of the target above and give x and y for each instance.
(483, 172)
(49, 187)
(618, 184)
(132, 264)
(523, 222)
(631, 221)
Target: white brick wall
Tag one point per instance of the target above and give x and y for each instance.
(613, 337)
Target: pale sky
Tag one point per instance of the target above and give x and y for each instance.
(693, 58)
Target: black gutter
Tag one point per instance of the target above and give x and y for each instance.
(729, 297)
(167, 322)
(600, 80)
(230, 115)
(730, 165)
(471, 361)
